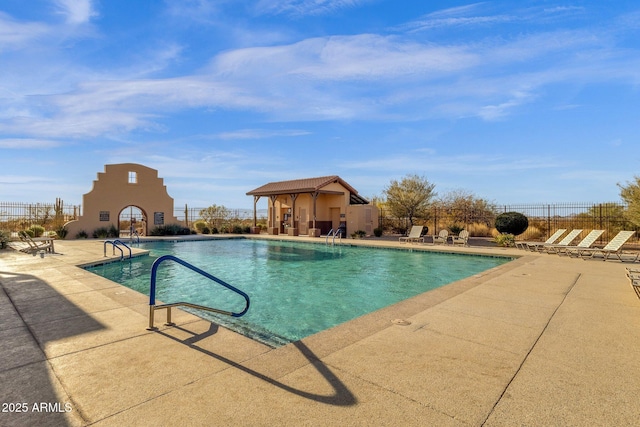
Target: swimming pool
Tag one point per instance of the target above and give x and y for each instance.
(296, 289)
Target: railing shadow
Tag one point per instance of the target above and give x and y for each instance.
(341, 396)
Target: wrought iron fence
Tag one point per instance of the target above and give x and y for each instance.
(16, 216)
(544, 219)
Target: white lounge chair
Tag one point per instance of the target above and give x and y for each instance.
(414, 235)
(441, 237)
(634, 280)
(589, 240)
(566, 241)
(614, 247)
(552, 239)
(461, 239)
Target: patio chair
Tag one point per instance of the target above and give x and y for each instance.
(589, 240)
(566, 241)
(634, 279)
(555, 236)
(441, 237)
(461, 239)
(415, 235)
(32, 245)
(614, 247)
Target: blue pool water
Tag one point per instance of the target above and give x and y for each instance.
(296, 289)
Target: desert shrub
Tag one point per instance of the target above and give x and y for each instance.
(377, 231)
(358, 234)
(246, 229)
(205, 230)
(505, 239)
(100, 233)
(236, 229)
(62, 232)
(36, 230)
(534, 233)
(200, 225)
(170, 230)
(214, 230)
(4, 238)
(82, 235)
(456, 228)
(512, 223)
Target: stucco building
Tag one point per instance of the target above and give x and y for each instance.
(314, 206)
(120, 189)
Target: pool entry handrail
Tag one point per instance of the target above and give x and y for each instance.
(338, 233)
(152, 293)
(134, 233)
(116, 244)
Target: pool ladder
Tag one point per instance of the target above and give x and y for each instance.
(333, 234)
(152, 293)
(116, 244)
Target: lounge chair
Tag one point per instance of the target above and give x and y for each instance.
(552, 239)
(614, 247)
(589, 240)
(461, 239)
(414, 235)
(441, 237)
(566, 241)
(34, 246)
(634, 280)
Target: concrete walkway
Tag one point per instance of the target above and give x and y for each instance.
(543, 340)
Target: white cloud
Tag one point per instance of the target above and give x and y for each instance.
(305, 7)
(27, 144)
(76, 11)
(15, 35)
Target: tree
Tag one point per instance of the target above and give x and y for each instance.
(631, 195)
(463, 207)
(215, 216)
(409, 198)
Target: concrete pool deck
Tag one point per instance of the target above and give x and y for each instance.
(542, 340)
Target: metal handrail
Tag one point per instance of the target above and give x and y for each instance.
(337, 233)
(326, 240)
(152, 293)
(137, 237)
(115, 244)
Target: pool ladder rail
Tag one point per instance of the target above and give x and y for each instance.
(116, 245)
(152, 293)
(333, 234)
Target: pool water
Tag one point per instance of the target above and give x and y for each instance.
(296, 289)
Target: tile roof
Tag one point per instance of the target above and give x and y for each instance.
(304, 185)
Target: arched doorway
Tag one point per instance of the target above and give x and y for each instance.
(132, 218)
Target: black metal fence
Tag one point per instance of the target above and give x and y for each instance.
(544, 219)
(16, 216)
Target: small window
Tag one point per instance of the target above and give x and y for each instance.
(133, 177)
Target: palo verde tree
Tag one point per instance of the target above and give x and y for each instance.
(630, 193)
(215, 216)
(410, 197)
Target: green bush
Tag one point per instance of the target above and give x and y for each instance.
(512, 223)
(200, 225)
(4, 238)
(170, 230)
(237, 229)
(506, 240)
(377, 231)
(100, 233)
(62, 232)
(456, 228)
(36, 230)
(358, 234)
(82, 235)
(205, 230)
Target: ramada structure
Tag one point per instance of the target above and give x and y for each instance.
(314, 206)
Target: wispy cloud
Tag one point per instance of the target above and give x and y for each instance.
(260, 134)
(306, 7)
(15, 34)
(28, 144)
(76, 11)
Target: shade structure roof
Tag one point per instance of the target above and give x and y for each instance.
(306, 185)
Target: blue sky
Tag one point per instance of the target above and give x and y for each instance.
(513, 101)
